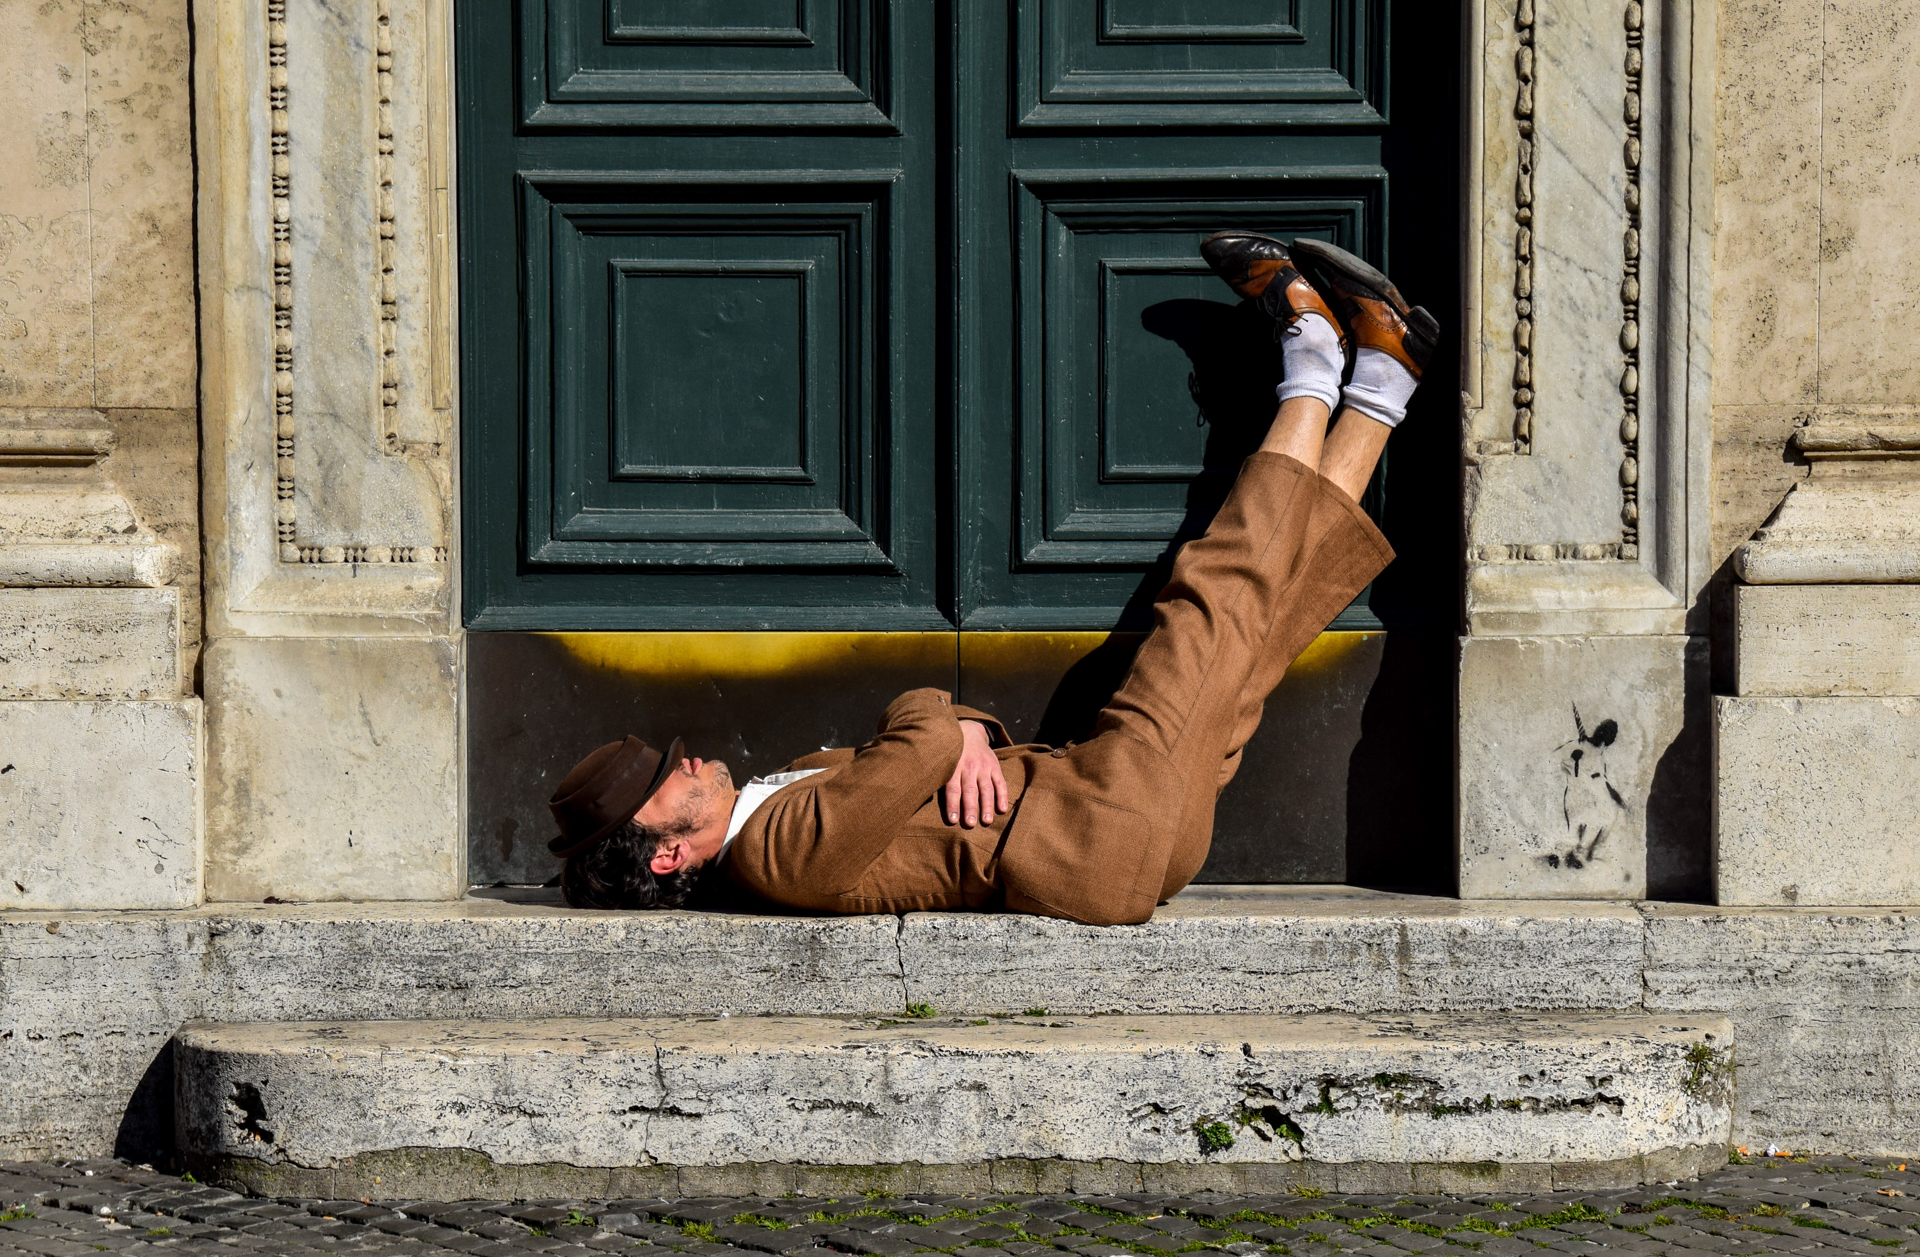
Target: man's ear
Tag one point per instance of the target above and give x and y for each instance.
(669, 857)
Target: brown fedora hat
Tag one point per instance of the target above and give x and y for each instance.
(605, 789)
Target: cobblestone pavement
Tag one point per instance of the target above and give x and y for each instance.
(1800, 1205)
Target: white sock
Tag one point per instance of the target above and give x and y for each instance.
(1310, 353)
(1380, 386)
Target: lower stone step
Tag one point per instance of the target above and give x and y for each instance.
(817, 1105)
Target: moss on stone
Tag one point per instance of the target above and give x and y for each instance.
(1214, 1136)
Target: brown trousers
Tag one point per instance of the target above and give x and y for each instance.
(1287, 552)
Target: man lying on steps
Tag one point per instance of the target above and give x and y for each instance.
(939, 811)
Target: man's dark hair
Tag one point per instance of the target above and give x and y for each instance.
(616, 873)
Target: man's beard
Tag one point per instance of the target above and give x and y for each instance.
(701, 798)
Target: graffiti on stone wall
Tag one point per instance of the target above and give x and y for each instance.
(1590, 805)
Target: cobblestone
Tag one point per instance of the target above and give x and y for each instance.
(1808, 1207)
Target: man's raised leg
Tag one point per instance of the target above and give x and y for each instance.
(1346, 458)
(1290, 547)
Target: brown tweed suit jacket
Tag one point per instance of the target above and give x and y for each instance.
(869, 834)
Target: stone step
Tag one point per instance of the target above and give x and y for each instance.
(1823, 1000)
(698, 1106)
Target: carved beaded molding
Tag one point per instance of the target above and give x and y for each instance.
(1523, 237)
(285, 521)
(1525, 64)
(1630, 295)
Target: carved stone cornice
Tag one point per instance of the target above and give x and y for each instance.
(1855, 519)
(54, 447)
(1858, 441)
(62, 522)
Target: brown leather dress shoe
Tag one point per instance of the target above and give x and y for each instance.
(1260, 269)
(1371, 308)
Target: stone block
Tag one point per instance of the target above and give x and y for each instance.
(1843, 524)
(1869, 273)
(1824, 1003)
(65, 526)
(335, 771)
(1206, 1094)
(156, 464)
(1817, 640)
(1766, 157)
(46, 300)
(89, 643)
(1570, 748)
(1815, 800)
(1753, 469)
(140, 184)
(1230, 949)
(100, 804)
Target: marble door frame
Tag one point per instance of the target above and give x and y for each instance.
(1587, 440)
(328, 403)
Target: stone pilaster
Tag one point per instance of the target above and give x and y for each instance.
(1819, 745)
(1585, 369)
(328, 405)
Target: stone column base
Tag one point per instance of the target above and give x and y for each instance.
(336, 769)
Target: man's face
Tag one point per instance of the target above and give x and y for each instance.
(692, 806)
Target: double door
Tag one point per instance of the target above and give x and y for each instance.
(847, 314)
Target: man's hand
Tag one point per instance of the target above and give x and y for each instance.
(978, 786)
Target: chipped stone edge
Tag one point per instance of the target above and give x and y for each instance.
(455, 1174)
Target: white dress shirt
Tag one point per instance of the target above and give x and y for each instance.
(756, 792)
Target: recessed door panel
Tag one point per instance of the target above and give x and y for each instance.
(1110, 385)
(676, 64)
(1144, 383)
(717, 370)
(703, 400)
(707, 370)
(1114, 63)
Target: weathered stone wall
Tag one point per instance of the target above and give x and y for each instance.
(100, 607)
(1817, 250)
(96, 249)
